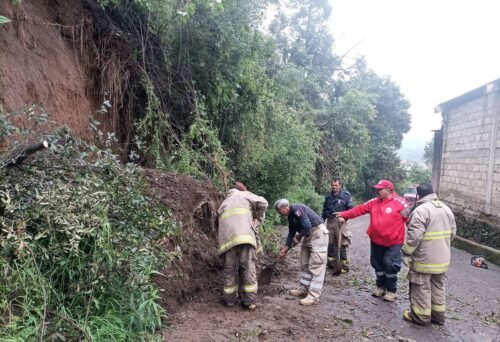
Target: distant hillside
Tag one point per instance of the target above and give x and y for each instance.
(412, 149)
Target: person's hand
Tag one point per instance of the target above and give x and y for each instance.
(296, 240)
(406, 261)
(284, 251)
(341, 219)
(406, 266)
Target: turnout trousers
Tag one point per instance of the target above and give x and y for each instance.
(239, 262)
(334, 227)
(313, 257)
(427, 297)
(387, 262)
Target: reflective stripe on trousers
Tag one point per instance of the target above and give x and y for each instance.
(239, 261)
(313, 258)
(427, 297)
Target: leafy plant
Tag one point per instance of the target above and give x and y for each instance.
(79, 246)
(4, 20)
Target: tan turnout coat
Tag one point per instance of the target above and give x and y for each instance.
(238, 217)
(430, 230)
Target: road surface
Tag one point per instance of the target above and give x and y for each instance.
(347, 311)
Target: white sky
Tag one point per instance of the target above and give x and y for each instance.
(434, 49)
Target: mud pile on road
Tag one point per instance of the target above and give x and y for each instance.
(194, 204)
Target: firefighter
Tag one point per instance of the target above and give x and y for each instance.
(335, 201)
(427, 253)
(388, 214)
(305, 224)
(239, 215)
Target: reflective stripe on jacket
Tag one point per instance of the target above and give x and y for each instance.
(430, 230)
(236, 219)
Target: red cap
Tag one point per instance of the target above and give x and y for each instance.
(384, 183)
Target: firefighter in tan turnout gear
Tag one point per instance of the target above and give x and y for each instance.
(427, 253)
(239, 215)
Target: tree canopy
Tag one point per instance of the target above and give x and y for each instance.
(229, 93)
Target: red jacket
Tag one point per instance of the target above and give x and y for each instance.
(387, 219)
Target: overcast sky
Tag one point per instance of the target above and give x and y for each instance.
(434, 49)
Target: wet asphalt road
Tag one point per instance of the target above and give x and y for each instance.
(347, 311)
(473, 299)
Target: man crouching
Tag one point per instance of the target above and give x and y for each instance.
(304, 223)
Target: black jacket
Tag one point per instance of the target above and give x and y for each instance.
(335, 204)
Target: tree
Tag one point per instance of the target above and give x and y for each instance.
(429, 152)
(212, 64)
(386, 130)
(306, 47)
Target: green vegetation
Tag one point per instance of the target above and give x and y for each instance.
(4, 20)
(415, 175)
(79, 243)
(428, 152)
(199, 87)
(275, 107)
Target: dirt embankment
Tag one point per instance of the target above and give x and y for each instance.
(68, 56)
(194, 203)
(37, 66)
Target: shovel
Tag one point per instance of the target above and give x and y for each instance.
(337, 264)
(267, 273)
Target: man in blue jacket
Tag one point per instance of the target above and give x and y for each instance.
(336, 201)
(304, 224)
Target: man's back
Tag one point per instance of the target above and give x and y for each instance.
(236, 215)
(432, 223)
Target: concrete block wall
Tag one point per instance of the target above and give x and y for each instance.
(495, 198)
(466, 175)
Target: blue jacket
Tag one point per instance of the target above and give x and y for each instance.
(337, 203)
(300, 220)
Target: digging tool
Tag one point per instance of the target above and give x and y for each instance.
(267, 273)
(337, 264)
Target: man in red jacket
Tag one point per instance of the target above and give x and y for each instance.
(388, 215)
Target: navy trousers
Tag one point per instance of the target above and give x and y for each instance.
(387, 262)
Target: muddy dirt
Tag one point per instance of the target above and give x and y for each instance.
(194, 205)
(347, 311)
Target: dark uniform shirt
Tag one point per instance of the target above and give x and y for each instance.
(337, 203)
(300, 220)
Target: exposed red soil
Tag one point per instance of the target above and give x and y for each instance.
(38, 67)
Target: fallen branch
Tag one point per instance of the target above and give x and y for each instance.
(19, 155)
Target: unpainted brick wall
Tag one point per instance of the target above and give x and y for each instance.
(465, 164)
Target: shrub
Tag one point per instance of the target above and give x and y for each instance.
(78, 245)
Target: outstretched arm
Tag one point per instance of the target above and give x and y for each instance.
(356, 211)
